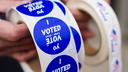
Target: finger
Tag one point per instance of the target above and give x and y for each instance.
(7, 44)
(21, 48)
(19, 2)
(79, 15)
(25, 56)
(83, 25)
(64, 1)
(89, 50)
(86, 34)
(5, 4)
(12, 32)
(85, 30)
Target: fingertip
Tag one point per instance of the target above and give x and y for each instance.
(64, 1)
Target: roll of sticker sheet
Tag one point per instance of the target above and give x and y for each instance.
(110, 35)
(54, 35)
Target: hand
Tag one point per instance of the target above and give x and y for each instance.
(15, 39)
(22, 50)
(82, 19)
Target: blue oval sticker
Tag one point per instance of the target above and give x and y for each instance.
(63, 63)
(52, 35)
(77, 39)
(38, 8)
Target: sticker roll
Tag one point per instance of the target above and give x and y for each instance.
(108, 25)
(51, 32)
